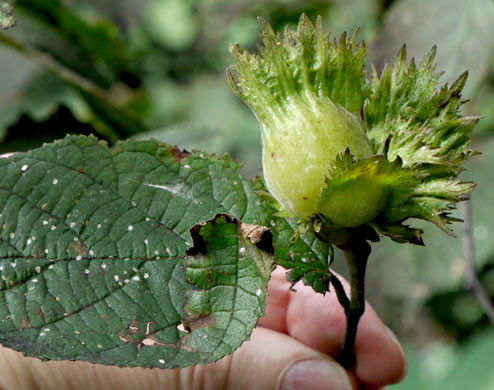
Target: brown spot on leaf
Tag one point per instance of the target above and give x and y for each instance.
(126, 339)
(179, 154)
(150, 342)
(203, 321)
(259, 235)
(79, 249)
(134, 326)
(25, 324)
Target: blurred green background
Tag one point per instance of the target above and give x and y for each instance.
(156, 68)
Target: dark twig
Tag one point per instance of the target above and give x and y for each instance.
(340, 292)
(356, 254)
(472, 283)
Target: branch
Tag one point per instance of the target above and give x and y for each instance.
(472, 283)
(340, 291)
(356, 255)
(98, 99)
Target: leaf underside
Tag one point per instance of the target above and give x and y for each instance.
(101, 256)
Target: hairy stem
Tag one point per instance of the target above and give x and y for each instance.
(356, 255)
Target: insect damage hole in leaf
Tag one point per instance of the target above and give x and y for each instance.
(213, 266)
(94, 263)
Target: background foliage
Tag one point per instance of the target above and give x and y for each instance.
(156, 68)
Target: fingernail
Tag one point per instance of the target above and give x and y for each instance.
(316, 375)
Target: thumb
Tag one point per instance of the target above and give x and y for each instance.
(269, 361)
(272, 360)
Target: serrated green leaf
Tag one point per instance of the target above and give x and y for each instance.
(297, 248)
(305, 256)
(99, 262)
(7, 18)
(400, 233)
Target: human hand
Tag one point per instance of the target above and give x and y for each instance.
(291, 349)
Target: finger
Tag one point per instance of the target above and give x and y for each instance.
(269, 361)
(318, 321)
